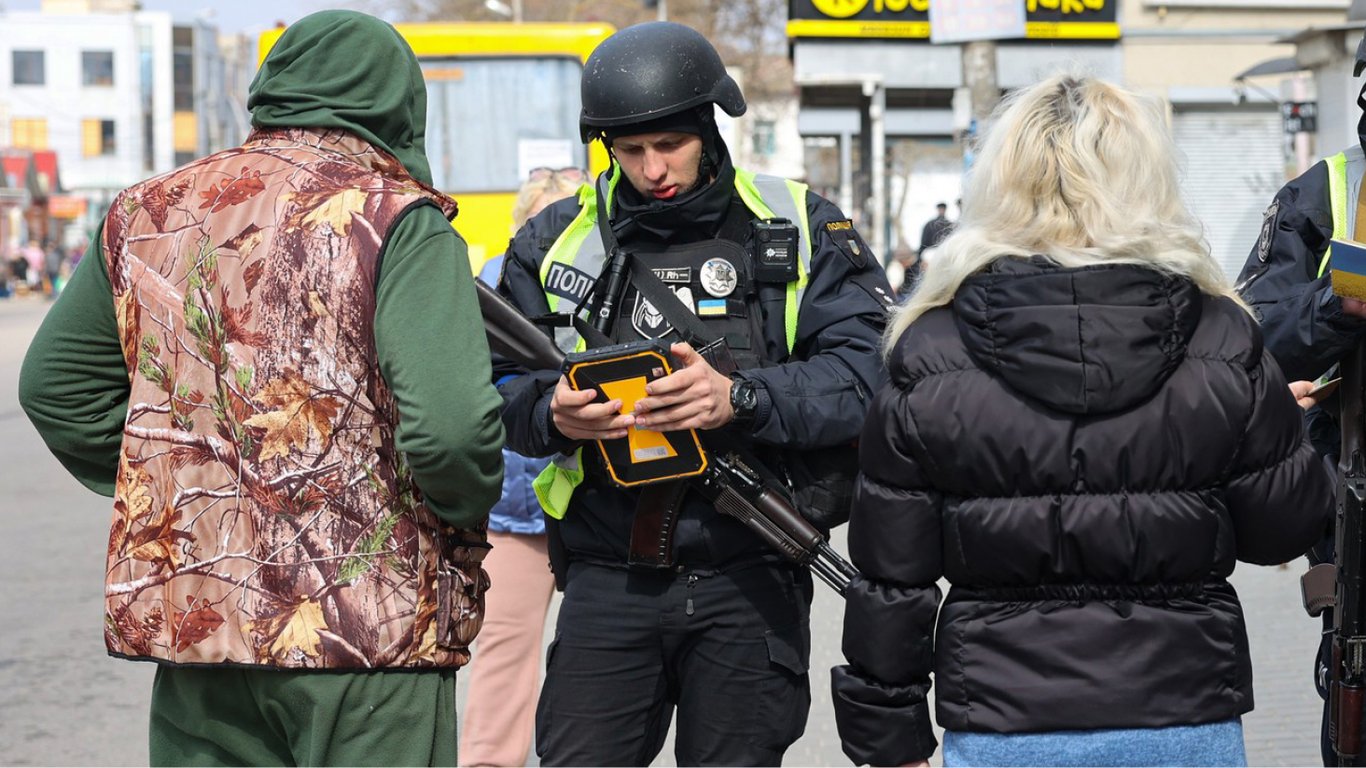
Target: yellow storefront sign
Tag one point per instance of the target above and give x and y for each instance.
(909, 19)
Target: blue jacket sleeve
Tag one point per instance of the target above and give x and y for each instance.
(1302, 322)
(819, 396)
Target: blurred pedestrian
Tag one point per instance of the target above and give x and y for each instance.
(1083, 435)
(1308, 328)
(903, 272)
(274, 362)
(35, 263)
(936, 229)
(18, 270)
(52, 267)
(505, 675)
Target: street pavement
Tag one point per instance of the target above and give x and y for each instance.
(64, 702)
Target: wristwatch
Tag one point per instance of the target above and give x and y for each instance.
(744, 401)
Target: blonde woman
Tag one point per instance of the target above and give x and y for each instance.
(505, 674)
(1082, 435)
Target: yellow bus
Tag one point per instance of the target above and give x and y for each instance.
(502, 100)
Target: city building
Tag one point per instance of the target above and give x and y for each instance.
(765, 138)
(117, 93)
(876, 93)
(1204, 58)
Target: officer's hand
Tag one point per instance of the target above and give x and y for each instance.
(693, 397)
(1354, 307)
(579, 418)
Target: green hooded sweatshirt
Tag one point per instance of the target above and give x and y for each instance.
(333, 69)
(342, 69)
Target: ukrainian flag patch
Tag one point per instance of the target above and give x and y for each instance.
(711, 308)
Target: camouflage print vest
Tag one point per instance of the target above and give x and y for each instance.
(262, 515)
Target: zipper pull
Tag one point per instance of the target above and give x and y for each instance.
(692, 579)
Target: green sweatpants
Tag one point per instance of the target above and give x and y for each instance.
(228, 716)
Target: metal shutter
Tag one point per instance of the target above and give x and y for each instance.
(1234, 164)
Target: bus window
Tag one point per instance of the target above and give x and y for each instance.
(487, 118)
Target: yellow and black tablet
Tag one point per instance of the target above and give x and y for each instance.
(620, 372)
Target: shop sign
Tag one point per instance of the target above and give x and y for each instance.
(1300, 116)
(66, 206)
(1044, 19)
(963, 21)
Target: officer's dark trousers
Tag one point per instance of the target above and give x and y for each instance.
(728, 650)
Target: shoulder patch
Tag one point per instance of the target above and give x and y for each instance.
(567, 282)
(1268, 229)
(847, 239)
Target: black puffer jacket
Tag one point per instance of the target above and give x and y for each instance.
(1083, 454)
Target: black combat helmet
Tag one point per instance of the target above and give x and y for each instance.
(651, 70)
(1361, 57)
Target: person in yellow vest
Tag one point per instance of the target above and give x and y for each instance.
(707, 620)
(1305, 326)
(273, 362)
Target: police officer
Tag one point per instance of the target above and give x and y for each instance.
(1305, 326)
(718, 627)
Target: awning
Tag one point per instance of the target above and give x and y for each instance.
(1277, 66)
(1309, 32)
(33, 171)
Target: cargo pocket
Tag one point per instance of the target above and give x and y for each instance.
(787, 649)
(460, 591)
(787, 699)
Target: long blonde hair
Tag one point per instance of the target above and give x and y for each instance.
(1080, 171)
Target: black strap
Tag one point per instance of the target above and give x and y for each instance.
(592, 337)
(666, 301)
(735, 227)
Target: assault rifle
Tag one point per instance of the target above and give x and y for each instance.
(732, 482)
(1347, 669)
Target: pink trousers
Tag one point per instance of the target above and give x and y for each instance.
(505, 673)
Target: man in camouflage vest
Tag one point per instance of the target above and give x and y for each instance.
(276, 367)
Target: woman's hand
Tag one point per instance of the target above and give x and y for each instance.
(1309, 394)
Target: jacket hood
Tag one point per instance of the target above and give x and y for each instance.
(347, 70)
(1084, 340)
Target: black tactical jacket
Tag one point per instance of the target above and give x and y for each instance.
(1083, 454)
(814, 397)
(1302, 321)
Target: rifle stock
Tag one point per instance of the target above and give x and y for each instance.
(513, 336)
(1348, 667)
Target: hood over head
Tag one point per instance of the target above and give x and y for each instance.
(347, 70)
(1084, 340)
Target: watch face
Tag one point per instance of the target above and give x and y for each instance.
(743, 400)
